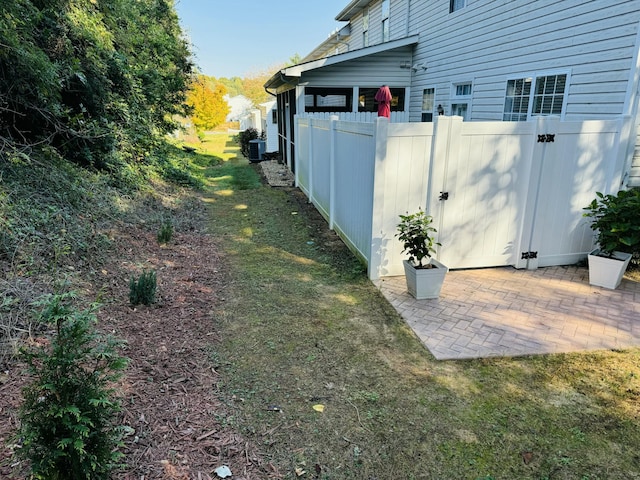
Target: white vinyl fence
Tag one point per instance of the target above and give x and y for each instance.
(501, 193)
(367, 117)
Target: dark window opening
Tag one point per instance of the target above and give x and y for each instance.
(367, 103)
(327, 99)
(455, 5)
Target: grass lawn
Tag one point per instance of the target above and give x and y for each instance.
(321, 372)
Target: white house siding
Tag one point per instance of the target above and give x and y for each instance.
(397, 23)
(271, 129)
(357, 29)
(489, 42)
(370, 71)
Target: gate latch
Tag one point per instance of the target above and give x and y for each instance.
(444, 196)
(528, 255)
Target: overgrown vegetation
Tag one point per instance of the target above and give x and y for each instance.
(96, 81)
(67, 419)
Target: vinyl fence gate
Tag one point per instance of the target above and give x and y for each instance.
(501, 193)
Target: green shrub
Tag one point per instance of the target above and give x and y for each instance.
(143, 290)
(245, 137)
(67, 417)
(165, 233)
(616, 220)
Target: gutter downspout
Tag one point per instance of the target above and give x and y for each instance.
(266, 87)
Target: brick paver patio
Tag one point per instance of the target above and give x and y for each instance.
(508, 312)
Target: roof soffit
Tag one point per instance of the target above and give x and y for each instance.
(298, 70)
(290, 77)
(351, 10)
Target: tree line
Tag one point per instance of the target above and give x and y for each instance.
(101, 81)
(86, 76)
(207, 93)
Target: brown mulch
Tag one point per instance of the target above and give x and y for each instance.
(170, 390)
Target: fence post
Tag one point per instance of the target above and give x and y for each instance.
(296, 133)
(626, 141)
(310, 127)
(378, 250)
(332, 163)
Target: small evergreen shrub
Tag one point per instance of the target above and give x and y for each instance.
(165, 233)
(143, 290)
(67, 417)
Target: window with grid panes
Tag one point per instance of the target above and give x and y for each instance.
(461, 98)
(548, 97)
(516, 104)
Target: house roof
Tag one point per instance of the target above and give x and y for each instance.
(335, 39)
(291, 75)
(350, 10)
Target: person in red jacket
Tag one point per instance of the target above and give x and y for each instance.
(383, 97)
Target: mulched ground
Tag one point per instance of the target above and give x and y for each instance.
(170, 391)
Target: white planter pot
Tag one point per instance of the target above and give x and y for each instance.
(605, 271)
(424, 283)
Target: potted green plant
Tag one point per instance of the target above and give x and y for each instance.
(424, 274)
(616, 221)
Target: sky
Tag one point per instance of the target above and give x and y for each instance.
(239, 38)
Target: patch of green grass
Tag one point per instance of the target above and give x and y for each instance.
(234, 175)
(303, 326)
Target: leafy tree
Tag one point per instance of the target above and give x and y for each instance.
(253, 86)
(294, 60)
(210, 109)
(86, 77)
(233, 85)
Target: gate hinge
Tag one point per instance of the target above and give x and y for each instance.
(546, 138)
(444, 196)
(528, 255)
